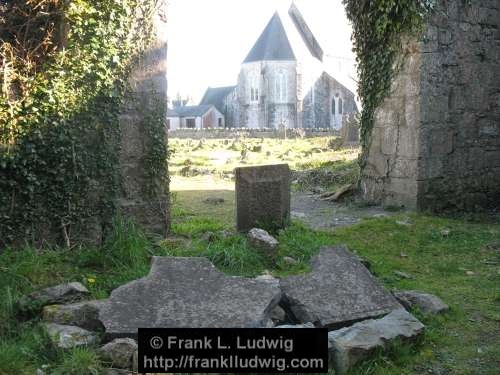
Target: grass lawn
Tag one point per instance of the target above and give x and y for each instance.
(458, 259)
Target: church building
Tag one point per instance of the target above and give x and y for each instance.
(283, 83)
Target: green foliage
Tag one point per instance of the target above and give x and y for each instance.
(378, 28)
(59, 131)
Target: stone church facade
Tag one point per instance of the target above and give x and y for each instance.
(282, 82)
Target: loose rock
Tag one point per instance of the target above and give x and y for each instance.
(290, 260)
(63, 293)
(260, 239)
(214, 200)
(403, 275)
(67, 337)
(427, 303)
(119, 352)
(348, 346)
(278, 314)
(82, 314)
(304, 325)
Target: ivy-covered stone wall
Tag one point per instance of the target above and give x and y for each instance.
(436, 137)
(65, 92)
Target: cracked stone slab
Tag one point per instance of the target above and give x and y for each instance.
(427, 303)
(188, 292)
(338, 290)
(350, 345)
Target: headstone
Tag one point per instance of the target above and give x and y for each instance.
(339, 290)
(188, 292)
(262, 196)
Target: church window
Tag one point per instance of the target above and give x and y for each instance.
(254, 91)
(281, 87)
(340, 106)
(333, 106)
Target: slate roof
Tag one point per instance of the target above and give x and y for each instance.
(216, 96)
(305, 32)
(189, 111)
(273, 44)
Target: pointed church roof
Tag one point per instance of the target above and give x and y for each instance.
(305, 32)
(273, 44)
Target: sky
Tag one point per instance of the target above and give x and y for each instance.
(209, 39)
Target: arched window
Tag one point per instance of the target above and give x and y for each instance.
(340, 106)
(280, 87)
(333, 106)
(253, 83)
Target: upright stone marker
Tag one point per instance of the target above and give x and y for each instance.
(262, 196)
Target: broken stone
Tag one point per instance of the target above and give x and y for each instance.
(260, 239)
(304, 325)
(278, 314)
(214, 200)
(427, 303)
(262, 196)
(188, 292)
(445, 232)
(63, 293)
(116, 371)
(350, 345)
(82, 314)
(208, 236)
(119, 352)
(403, 275)
(290, 260)
(67, 337)
(338, 290)
(225, 233)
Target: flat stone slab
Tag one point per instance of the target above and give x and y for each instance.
(339, 290)
(188, 292)
(348, 346)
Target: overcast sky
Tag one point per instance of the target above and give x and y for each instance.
(209, 39)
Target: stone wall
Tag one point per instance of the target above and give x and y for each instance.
(148, 85)
(436, 141)
(249, 133)
(317, 107)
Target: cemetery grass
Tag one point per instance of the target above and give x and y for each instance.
(456, 258)
(321, 159)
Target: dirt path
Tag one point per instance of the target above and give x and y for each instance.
(306, 207)
(318, 214)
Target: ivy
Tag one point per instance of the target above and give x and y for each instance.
(64, 73)
(378, 27)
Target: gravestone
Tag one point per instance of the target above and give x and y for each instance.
(350, 130)
(338, 291)
(184, 292)
(262, 196)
